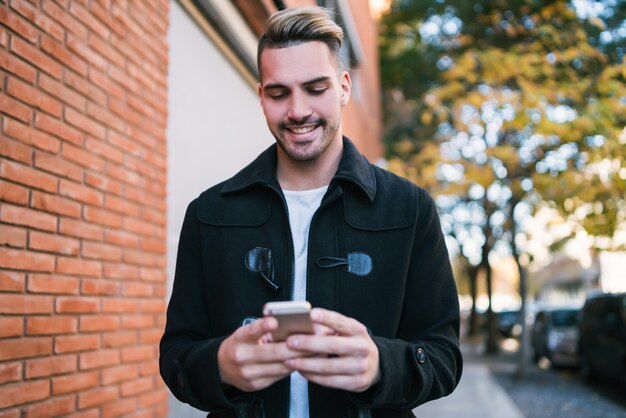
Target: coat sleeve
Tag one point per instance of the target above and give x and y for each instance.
(188, 351)
(423, 362)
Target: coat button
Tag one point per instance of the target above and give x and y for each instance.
(421, 355)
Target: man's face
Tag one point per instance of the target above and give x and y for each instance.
(302, 91)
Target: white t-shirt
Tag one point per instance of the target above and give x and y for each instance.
(301, 206)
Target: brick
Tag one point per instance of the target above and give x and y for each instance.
(39, 19)
(64, 94)
(54, 284)
(120, 271)
(90, 413)
(80, 192)
(77, 305)
(104, 150)
(103, 183)
(23, 27)
(25, 304)
(102, 217)
(23, 216)
(150, 368)
(30, 136)
(28, 176)
(55, 407)
(55, 204)
(16, 66)
(129, 84)
(143, 258)
(78, 267)
(12, 237)
(65, 19)
(74, 382)
(51, 325)
(81, 49)
(119, 339)
(105, 117)
(137, 386)
(83, 15)
(97, 396)
(153, 245)
(153, 398)
(16, 151)
(25, 260)
(33, 96)
(80, 229)
(119, 408)
(85, 88)
(60, 53)
(112, 22)
(76, 343)
(16, 109)
(137, 289)
(10, 372)
(50, 366)
(137, 321)
(13, 193)
(101, 251)
(136, 354)
(121, 238)
(24, 347)
(98, 323)
(17, 394)
(100, 287)
(99, 359)
(139, 104)
(120, 305)
(121, 206)
(11, 281)
(152, 305)
(59, 166)
(126, 144)
(10, 413)
(11, 326)
(118, 374)
(105, 83)
(58, 128)
(83, 157)
(84, 123)
(53, 243)
(36, 57)
(140, 227)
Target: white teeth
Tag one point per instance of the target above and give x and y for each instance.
(302, 130)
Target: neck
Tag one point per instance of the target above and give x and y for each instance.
(308, 175)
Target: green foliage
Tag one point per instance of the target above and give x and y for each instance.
(511, 103)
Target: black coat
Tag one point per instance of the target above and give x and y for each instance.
(239, 229)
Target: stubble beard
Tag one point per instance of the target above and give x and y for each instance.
(312, 150)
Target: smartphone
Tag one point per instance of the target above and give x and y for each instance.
(293, 318)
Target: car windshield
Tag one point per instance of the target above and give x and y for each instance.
(564, 318)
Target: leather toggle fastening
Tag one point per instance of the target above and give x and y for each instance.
(358, 263)
(260, 260)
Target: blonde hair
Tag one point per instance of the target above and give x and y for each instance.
(291, 27)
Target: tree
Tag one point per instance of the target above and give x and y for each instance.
(499, 107)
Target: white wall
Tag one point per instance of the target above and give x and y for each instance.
(215, 128)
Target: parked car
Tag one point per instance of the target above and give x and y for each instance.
(555, 336)
(602, 344)
(509, 323)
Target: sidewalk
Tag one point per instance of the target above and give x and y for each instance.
(477, 396)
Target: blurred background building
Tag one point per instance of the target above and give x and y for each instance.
(115, 115)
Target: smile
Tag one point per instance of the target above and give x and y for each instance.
(302, 129)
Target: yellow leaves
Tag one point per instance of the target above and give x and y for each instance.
(505, 153)
(426, 118)
(597, 22)
(479, 175)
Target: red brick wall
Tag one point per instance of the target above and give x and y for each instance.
(83, 102)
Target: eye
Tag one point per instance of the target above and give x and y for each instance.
(317, 90)
(278, 95)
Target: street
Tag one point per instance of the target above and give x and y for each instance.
(490, 387)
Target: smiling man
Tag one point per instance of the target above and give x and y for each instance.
(311, 219)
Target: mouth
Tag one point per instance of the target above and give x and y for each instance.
(300, 130)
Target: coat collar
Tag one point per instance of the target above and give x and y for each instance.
(353, 167)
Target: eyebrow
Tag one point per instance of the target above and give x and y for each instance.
(306, 83)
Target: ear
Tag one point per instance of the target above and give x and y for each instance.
(345, 83)
(259, 90)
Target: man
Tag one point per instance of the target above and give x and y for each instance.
(311, 219)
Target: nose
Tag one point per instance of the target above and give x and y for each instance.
(299, 108)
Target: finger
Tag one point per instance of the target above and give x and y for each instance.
(327, 366)
(265, 353)
(263, 371)
(256, 330)
(333, 344)
(340, 323)
(345, 382)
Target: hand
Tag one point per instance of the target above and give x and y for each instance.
(248, 359)
(350, 358)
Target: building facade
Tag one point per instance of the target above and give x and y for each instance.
(114, 114)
